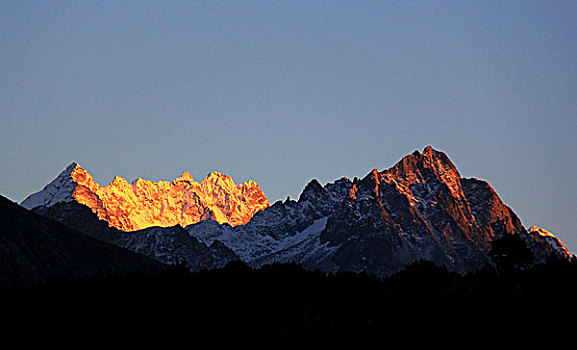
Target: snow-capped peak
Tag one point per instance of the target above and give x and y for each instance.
(61, 189)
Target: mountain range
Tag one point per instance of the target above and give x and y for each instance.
(419, 209)
(143, 203)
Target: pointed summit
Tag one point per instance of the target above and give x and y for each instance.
(439, 161)
(69, 170)
(215, 176)
(186, 176)
(216, 182)
(120, 181)
(312, 190)
(428, 150)
(430, 163)
(61, 189)
(71, 167)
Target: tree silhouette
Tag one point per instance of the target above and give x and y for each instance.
(510, 252)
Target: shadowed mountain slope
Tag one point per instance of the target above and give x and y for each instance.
(34, 249)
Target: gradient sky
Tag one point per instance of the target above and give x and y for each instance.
(283, 92)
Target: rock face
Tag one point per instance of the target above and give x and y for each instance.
(143, 203)
(420, 209)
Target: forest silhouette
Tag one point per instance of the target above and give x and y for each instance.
(281, 300)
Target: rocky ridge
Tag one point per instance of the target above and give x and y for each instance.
(143, 203)
(419, 209)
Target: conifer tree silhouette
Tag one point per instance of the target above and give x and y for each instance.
(510, 253)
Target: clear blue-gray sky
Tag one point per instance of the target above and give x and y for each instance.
(285, 91)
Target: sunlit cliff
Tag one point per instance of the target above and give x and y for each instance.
(143, 203)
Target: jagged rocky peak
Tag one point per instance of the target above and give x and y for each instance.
(144, 203)
(216, 182)
(216, 176)
(312, 190)
(411, 174)
(420, 167)
(415, 176)
(186, 176)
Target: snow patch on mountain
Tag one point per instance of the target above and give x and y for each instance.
(257, 249)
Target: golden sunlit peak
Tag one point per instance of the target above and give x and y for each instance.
(216, 174)
(119, 180)
(218, 179)
(145, 203)
(186, 176)
(428, 150)
(250, 183)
